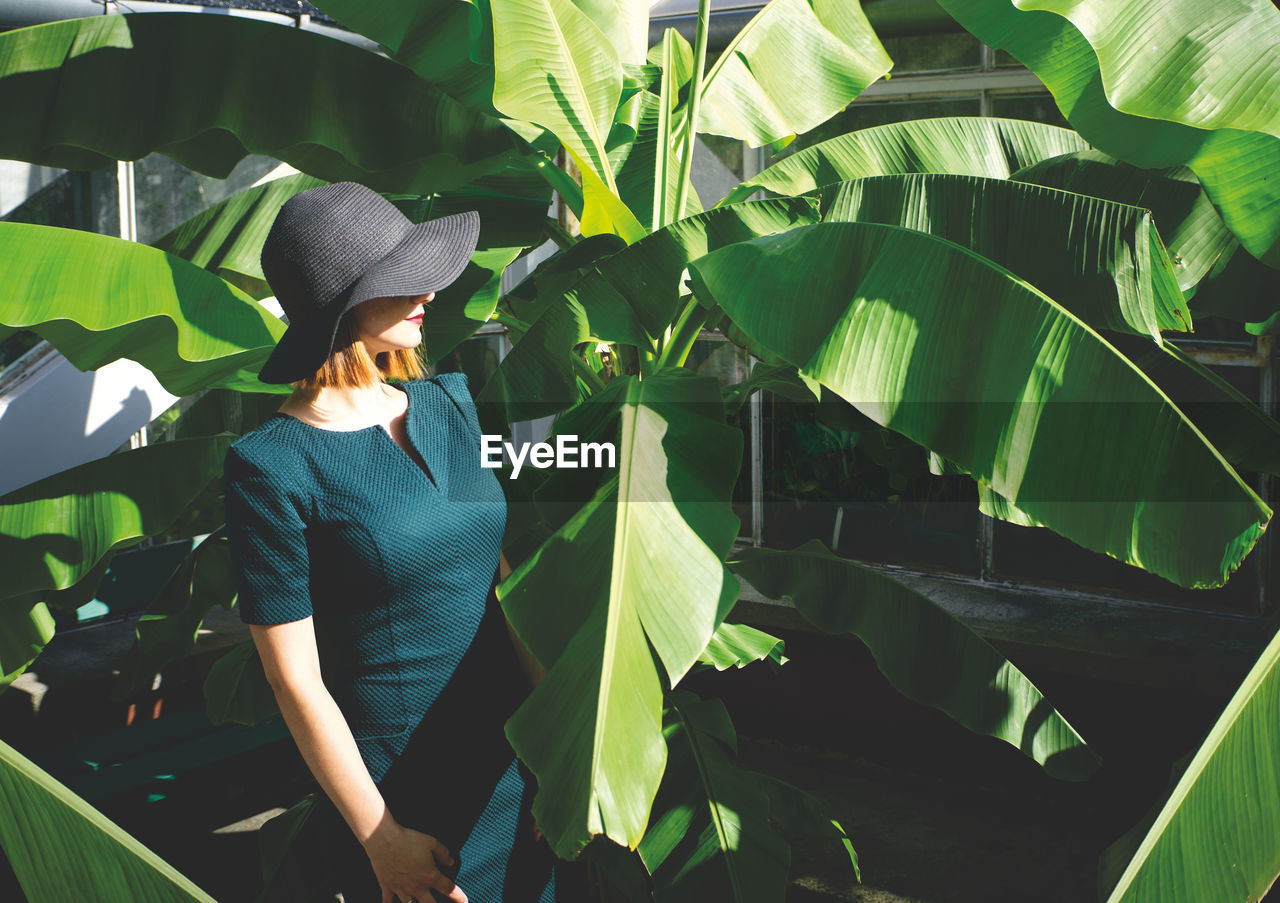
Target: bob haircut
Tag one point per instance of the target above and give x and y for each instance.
(350, 365)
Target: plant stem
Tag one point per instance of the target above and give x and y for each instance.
(589, 376)
(560, 235)
(688, 325)
(509, 320)
(695, 100)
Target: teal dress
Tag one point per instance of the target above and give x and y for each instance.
(395, 566)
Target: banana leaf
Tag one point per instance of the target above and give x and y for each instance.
(639, 564)
(166, 632)
(970, 146)
(236, 688)
(1207, 116)
(738, 645)
(642, 172)
(61, 848)
(927, 654)
(53, 531)
(792, 67)
(445, 42)
(1189, 226)
(629, 296)
(1229, 73)
(98, 299)
(26, 625)
(1108, 266)
(649, 177)
(554, 67)
(710, 837)
(227, 238)
(344, 114)
(1217, 837)
(961, 356)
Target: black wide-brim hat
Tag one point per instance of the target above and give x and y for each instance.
(336, 246)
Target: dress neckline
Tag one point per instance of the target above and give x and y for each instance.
(423, 470)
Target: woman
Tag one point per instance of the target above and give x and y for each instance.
(365, 537)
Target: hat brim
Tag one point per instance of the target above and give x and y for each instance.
(429, 258)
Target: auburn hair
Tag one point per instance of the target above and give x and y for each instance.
(349, 364)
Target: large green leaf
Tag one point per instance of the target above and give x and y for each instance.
(647, 180)
(236, 688)
(1108, 266)
(638, 564)
(1218, 838)
(97, 299)
(710, 837)
(1191, 229)
(738, 645)
(1220, 55)
(227, 238)
(448, 43)
(793, 66)
(26, 624)
(54, 530)
(956, 353)
(344, 114)
(927, 654)
(458, 310)
(554, 67)
(1232, 148)
(61, 848)
(971, 146)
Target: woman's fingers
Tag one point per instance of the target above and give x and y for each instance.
(444, 885)
(441, 853)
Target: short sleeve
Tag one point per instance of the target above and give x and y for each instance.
(268, 547)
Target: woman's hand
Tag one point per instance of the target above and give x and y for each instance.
(406, 863)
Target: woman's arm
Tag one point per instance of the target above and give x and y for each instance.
(403, 860)
(533, 671)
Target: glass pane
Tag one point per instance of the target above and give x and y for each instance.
(1037, 556)
(831, 474)
(1034, 107)
(75, 200)
(864, 114)
(167, 194)
(16, 345)
(933, 52)
(1005, 59)
(717, 167)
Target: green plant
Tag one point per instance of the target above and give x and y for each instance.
(912, 260)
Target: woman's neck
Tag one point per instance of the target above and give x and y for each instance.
(345, 408)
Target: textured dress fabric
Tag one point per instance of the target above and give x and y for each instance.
(395, 566)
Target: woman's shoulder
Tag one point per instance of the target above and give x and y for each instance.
(272, 446)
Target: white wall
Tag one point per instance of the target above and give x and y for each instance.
(53, 416)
